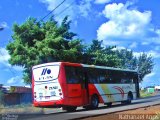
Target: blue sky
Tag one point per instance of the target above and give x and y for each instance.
(131, 24)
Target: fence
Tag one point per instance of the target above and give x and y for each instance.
(17, 98)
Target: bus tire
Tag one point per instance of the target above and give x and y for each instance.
(109, 104)
(94, 102)
(70, 108)
(124, 102)
(129, 98)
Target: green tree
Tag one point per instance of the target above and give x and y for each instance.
(40, 42)
(128, 60)
(97, 54)
(143, 64)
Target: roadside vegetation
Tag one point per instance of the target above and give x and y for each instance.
(144, 93)
(20, 109)
(24, 109)
(35, 42)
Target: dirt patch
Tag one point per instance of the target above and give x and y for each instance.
(146, 113)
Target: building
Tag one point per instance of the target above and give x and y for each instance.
(14, 95)
(157, 88)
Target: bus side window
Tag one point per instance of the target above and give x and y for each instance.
(80, 74)
(92, 75)
(108, 76)
(71, 75)
(130, 78)
(124, 78)
(104, 76)
(127, 78)
(115, 76)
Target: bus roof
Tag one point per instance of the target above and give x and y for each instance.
(101, 67)
(85, 65)
(109, 68)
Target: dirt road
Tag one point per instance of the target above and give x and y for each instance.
(146, 113)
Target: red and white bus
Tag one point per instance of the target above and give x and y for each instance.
(69, 85)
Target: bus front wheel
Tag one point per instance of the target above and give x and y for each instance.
(109, 104)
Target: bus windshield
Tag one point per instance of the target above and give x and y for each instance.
(46, 73)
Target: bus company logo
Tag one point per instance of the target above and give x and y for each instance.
(45, 70)
(46, 74)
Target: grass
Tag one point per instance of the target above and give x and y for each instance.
(23, 109)
(144, 93)
(20, 109)
(19, 106)
(1, 106)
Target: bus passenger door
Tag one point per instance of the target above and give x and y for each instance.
(136, 82)
(85, 91)
(77, 86)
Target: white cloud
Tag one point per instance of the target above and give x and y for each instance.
(4, 57)
(102, 1)
(15, 80)
(119, 48)
(152, 78)
(74, 9)
(17, 68)
(3, 24)
(137, 54)
(126, 25)
(149, 75)
(145, 43)
(51, 4)
(157, 48)
(85, 8)
(133, 45)
(152, 53)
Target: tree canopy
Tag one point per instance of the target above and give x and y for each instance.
(40, 42)
(36, 42)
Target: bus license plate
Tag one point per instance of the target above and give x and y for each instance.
(40, 95)
(47, 97)
(53, 93)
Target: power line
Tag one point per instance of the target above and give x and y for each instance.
(52, 10)
(37, 22)
(43, 19)
(46, 15)
(65, 9)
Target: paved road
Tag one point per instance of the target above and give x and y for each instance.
(58, 114)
